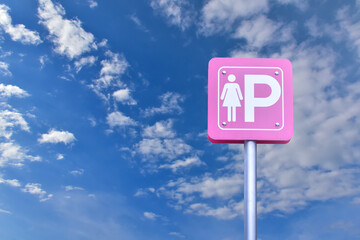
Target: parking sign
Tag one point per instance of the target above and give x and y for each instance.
(250, 99)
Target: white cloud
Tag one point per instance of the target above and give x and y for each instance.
(35, 189)
(103, 43)
(177, 12)
(301, 4)
(136, 20)
(224, 187)
(348, 227)
(77, 172)
(162, 129)
(219, 15)
(138, 23)
(91, 195)
(92, 121)
(48, 197)
(245, 53)
(164, 148)
(144, 192)
(202, 209)
(55, 136)
(151, 216)
(73, 188)
(319, 28)
(184, 195)
(313, 27)
(112, 68)
(4, 69)
(356, 201)
(43, 59)
(9, 120)
(325, 105)
(115, 119)
(59, 157)
(12, 182)
(178, 164)
(176, 234)
(115, 65)
(69, 38)
(320, 186)
(34, 158)
(18, 32)
(5, 211)
(261, 31)
(92, 3)
(320, 108)
(14, 155)
(11, 90)
(4, 54)
(350, 26)
(124, 96)
(222, 159)
(345, 28)
(85, 61)
(169, 104)
(160, 144)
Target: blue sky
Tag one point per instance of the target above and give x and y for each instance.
(103, 120)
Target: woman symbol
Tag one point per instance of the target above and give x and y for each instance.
(232, 95)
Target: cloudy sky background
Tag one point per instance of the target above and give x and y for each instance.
(103, 120)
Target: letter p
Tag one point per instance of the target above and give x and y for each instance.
(251, 102)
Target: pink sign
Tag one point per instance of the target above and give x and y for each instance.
(250, 99)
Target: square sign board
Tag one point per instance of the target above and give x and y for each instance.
(250, 99)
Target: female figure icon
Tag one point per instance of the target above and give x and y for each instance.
(231, 95)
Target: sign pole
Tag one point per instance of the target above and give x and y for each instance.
(250, 101)
(250, 190)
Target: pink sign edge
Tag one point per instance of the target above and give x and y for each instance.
(254, 62)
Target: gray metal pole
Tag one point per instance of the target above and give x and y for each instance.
(250, 190)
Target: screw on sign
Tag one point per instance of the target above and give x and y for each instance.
(250, 101)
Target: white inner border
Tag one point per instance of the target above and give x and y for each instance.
(255, 129)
